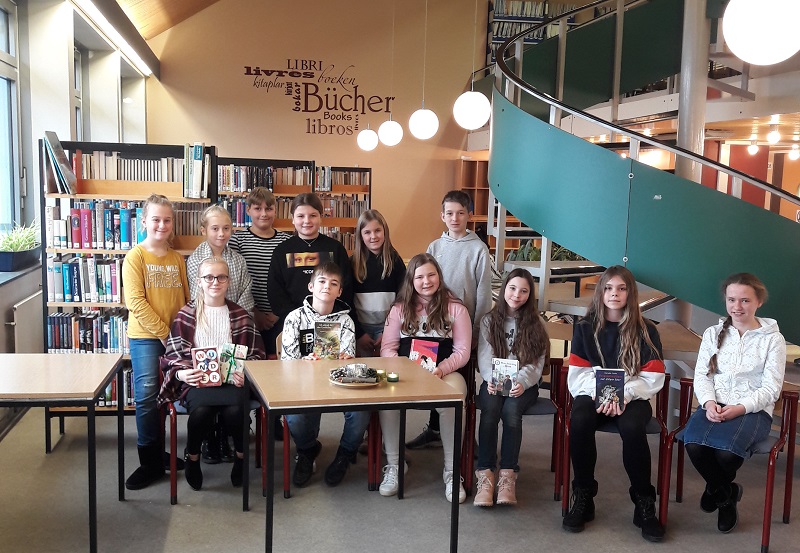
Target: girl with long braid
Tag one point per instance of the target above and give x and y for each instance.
(737, 380)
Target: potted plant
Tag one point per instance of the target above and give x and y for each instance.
(20, 247)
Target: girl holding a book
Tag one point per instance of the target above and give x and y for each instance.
(614, 334)
(427, 320)
(737, 380)
(156, 287)
(512, 347)
(209, 322)
(378, 272)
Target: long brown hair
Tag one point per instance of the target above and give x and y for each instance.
(408, 299)
(200, 295)
(530, 339)
(632, 326)
(361, 253)
(746, 279)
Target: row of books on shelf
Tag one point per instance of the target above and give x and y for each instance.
(518, 8)
(94, 225)
(347, 238)
(327, 177)
(243, 178)
(104, 165)
(187, 218)
(345, 205)
(88, 332)
(237, 209)
(510, 28)
(84, 279)
(112, 396)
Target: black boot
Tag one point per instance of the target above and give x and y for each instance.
(644, 515)
(707, 502)
(151, 468)
(727, 498)
(210, 448)
(582, 510)
(193, 473)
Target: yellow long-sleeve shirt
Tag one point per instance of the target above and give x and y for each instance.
(156, 288)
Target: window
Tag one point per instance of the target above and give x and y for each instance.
(10, 203)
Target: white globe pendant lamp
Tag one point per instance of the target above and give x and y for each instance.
(390, 132)
(472, 110)
(367, 139)
(423, 124)
(762, 32)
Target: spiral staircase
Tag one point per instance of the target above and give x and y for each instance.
(676, 235)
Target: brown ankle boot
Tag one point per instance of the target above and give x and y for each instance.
(484, 488)
(507, 487)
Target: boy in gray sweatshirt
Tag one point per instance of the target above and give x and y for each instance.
(466, 268)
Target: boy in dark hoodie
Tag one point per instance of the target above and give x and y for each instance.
(298, 343)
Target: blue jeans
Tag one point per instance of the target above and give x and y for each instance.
(145, 354)
(305, 429)
(508, 409)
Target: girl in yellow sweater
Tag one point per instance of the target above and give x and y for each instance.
(156, 287)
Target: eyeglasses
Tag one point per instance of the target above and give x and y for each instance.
(222, 279)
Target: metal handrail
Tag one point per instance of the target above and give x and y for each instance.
(502, 70)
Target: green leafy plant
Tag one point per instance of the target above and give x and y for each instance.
(528, 252)
(21, 238)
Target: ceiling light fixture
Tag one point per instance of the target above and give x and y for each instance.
(472, 109)
(367, 139)
(390, 132)
(794, 153)
(424, 123)
(773, 136)
(752, 149)
(763, 32)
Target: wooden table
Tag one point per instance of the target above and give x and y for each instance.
(48, 380)
(297, 386)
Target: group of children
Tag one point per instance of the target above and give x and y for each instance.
(248, 287)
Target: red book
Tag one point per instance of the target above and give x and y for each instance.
(115, 280)
(86, 228)
(75, 226)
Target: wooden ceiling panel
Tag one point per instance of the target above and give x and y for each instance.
(153, 17)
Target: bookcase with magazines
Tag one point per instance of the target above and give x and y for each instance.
(286, 178)
(91, 206)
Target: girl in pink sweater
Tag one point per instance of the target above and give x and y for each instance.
(426, 310)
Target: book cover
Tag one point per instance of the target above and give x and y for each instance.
(75, 227)
(424, 353)
(231, 359)
(207, 360)
(61, 162)
(610, 386)
(504, 374)
(86, 227)
(125, 229)
(327, 339)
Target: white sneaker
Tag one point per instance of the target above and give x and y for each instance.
(389, 483)
(447, 476)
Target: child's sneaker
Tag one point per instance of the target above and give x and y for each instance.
(426, 438)
(389, 484)
(447, 476)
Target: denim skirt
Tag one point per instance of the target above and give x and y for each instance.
(737, 435)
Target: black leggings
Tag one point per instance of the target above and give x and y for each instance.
(201, 420)
(717, 466)
(584, 421)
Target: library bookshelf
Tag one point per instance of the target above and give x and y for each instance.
(87, 234)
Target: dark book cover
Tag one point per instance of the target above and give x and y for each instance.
(610, 386)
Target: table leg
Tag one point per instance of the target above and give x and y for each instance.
(91, 452)
(47, 430)
(246, 445)
(456, 480)
(401, 465)
(120, 437)
(270, 482)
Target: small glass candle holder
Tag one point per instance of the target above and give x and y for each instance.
(393, 377)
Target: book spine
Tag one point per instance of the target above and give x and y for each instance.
(75, 274)
(125, 229)
(51, 292)
(86, 227)
(75, 227)
(99, 221)
(197, 170)
(116, 230)
(65, 271)
(91, 277)
(108, 228)
(114, 266)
